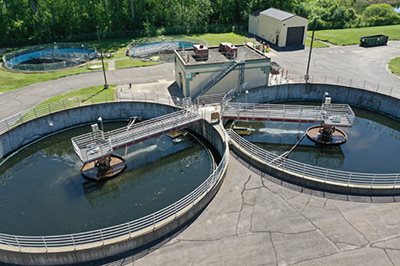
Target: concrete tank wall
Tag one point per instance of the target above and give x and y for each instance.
(314, 92)
(38, 128)
(372, 101)
(44, 126)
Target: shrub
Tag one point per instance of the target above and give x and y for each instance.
(380, 14)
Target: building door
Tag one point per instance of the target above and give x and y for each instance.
(294, 36)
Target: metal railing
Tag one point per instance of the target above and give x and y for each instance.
(94, 145)
(215, 78)
(99, 236)
(379, 87)
(320, 174)
(50, 51)
(281, 112)
(45, 109)
(149, 221)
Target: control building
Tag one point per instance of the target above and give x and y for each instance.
(208, 70)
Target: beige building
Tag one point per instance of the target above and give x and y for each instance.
(220, 71)
(278, 27)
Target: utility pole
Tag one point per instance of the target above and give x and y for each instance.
(102, 59)
(307, 76)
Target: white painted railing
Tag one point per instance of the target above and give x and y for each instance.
(45, 109)
(148, 221)
(380, 87)
(319, 174)
(94, 145)
(281, 112)
(126, 229)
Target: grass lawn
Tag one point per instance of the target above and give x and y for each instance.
(394, 66)
(128, 62)
(91, 94)
(316, 43)
(13, 80)
(213, 39)
(73, 98)
(352, 36)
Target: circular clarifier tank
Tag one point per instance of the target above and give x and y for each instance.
(49, 57)
(43, 193)
(372, 144)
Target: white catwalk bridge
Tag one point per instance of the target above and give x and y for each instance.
(331, 114)
(94, 145)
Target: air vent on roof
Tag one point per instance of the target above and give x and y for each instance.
(200, 52)
(228, 49)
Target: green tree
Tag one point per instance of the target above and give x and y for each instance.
(380, 14)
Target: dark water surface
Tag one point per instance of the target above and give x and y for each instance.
(373, 144)
(43, 193)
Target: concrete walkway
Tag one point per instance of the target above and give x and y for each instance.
(253, 221)
(20, 100)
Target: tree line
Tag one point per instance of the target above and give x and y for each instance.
(34, 21)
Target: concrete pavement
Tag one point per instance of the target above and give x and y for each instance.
(348, 62)
(253, 221)
(20, 100)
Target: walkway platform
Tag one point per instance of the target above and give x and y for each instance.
(94, 145)
(331, 114)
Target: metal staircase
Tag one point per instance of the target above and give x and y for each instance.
(215, 78)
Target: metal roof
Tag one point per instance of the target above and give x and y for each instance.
(277, 14)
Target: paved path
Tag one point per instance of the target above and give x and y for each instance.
(23, 99)
(346, 61)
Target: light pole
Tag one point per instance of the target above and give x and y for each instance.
(307, 76)
(246, 92)
(102, 59)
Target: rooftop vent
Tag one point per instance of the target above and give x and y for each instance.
(200, 52)
(228, 49)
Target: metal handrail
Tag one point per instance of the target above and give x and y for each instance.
(100, 235)
(290, 112)
(128, 228)
(215, 77)
(37, 48)
(106, 142)
(45, 109)
(320, 174)
(337, 81)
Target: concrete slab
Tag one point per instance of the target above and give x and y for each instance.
(294, 248)
(364, 256)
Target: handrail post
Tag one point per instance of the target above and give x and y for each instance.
(44, 242)
(17, 241)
